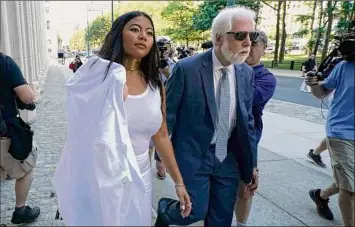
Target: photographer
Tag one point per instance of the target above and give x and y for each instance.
(12, 84)
(307, 66)
(74, 65)
(340, 136)
(166, 65)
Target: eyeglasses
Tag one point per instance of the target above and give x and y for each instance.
(240, 36)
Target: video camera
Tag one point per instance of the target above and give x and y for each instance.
(344, 50)
(164, 44)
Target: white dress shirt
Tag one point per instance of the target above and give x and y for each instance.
(217, 74)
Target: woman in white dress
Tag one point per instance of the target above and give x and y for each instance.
(131, 44)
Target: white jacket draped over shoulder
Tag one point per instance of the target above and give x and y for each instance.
(97, 180)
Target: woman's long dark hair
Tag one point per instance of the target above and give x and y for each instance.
(113, 51)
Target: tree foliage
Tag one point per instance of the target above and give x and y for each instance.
(208, 10)
(77, 41)
(152, 8)
(346, 9)
(180, 15)
(98, 30)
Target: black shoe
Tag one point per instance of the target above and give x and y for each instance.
(322, 204)
(316, 158)
(160, 222)
(25, 214)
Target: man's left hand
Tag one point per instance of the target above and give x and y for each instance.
(255, 181)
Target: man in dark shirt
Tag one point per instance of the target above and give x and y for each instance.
(12, 84)
(307, 66)
(264, 88)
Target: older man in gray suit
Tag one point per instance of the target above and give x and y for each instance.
(209, 114)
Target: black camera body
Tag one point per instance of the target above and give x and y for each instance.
(344, 50)
(24, 106)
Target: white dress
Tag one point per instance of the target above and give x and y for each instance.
(144, 120)
(98, 179)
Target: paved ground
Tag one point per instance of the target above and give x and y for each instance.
(288, 89)
(286, 175)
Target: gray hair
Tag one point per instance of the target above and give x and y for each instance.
(262, 38)
(222, 23)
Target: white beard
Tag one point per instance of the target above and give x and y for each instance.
(230, 57)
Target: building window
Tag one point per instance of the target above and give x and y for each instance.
(48, 24)
(47, 9)
(49, 50)
(49, 41)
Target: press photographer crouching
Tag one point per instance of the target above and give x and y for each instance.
(18, 158)
(337, 76)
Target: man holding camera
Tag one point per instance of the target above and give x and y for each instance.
(166, 65)
(340, 138)
(13, 85)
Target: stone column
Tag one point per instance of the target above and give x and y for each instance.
(36, 55)
(29, 41)
(22, 38)
(25, 39)
(5, 46)
(34, 17)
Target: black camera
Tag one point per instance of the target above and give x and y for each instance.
(164, 44)
(24, 106)
(344, 50)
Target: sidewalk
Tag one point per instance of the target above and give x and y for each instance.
(286, 73)
(286, 175)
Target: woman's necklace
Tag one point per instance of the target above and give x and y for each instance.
(131, 64)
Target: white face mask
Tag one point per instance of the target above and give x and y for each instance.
(230, 57)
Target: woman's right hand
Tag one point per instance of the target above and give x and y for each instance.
(185, 202)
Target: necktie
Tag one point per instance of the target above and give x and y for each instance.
(223, 116)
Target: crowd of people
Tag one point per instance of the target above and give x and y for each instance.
(201, 116)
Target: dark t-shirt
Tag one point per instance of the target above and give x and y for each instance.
(10, 77)
(309, 64)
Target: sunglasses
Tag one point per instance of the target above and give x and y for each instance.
(240, 36)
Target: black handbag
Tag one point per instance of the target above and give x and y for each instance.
(21, 136)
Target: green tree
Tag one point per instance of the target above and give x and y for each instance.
(277, 44)
(152, 8)
(284, 34)
(346, 10)
(77, 41)
(321, 28)
(311, 42)
(180, 15)
(101, 25)
(331, 6)
(98, 29)
(208, 10)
